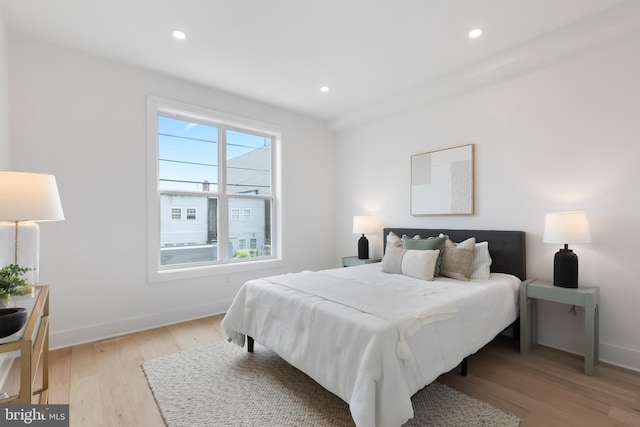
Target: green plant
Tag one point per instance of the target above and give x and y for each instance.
(245, 253)
(11, 281)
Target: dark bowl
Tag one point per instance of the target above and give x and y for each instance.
(12, 320)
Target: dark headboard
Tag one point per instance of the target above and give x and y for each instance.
(507, 248)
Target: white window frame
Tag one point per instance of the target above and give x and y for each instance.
(235, 214)
(195, 214)
(246, 214)
(157, 272)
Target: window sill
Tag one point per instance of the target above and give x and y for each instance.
(213, 270)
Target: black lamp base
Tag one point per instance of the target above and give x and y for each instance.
(363, 248)
(565, 268)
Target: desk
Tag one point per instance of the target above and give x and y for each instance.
(583, 296)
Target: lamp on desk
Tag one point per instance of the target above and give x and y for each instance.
(362, 225)
(565, 228)
(24, 199)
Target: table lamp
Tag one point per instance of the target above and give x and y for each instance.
(565, 228)
(24, 199)
(362, 225)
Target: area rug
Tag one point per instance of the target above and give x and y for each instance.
(223, 385)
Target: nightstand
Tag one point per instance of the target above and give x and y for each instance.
(583, 296)
(350, 261)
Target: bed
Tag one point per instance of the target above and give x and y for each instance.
(360, 348)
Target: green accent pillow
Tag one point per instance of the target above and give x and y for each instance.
(431, 243)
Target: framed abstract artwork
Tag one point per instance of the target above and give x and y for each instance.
(442, 182)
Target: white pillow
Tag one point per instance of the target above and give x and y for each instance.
(481, 262)
(420, 264)
(392, 259)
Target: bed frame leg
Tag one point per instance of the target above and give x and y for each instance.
(249, 344)
(516, 329)
(464, 367)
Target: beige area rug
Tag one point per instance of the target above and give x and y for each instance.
(223, 385)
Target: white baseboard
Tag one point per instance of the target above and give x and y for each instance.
(620, 356)
(615, 355)
(96, 332)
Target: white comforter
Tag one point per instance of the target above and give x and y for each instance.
(353, 353)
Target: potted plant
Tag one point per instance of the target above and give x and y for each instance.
(12, 282)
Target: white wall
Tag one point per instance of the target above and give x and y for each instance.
(562, 137)
(83, 119)
(4, 104)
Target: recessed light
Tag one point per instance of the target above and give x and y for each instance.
(179, 35)
(324, 88)
(475, 33)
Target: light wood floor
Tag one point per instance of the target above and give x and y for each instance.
(105, 386)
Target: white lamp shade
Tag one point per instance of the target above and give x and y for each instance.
(28, 196)
(364, 224)
(566, 227)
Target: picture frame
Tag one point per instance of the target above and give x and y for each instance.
(442, 182)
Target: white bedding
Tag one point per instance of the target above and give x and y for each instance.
(406, 306)
(353, 354)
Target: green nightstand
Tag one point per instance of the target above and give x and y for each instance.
(583, 296)
(350, 261)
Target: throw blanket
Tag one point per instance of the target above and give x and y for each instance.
(408, 315)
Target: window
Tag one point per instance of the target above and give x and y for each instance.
(222, 174)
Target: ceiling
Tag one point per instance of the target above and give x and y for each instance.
(282, 51)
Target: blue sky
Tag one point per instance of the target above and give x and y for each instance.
(189, 151)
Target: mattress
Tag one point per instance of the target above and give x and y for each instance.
(353, 353)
